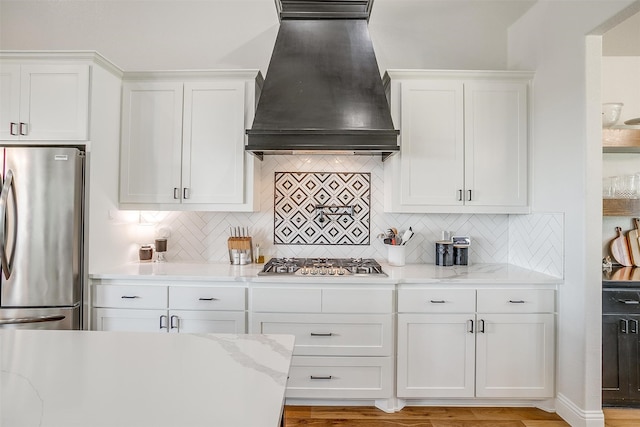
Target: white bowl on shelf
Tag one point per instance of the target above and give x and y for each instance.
(611, 113)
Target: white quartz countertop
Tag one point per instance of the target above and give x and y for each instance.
(107, 379)
(407, 274)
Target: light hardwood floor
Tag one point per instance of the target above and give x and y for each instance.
(339, 416)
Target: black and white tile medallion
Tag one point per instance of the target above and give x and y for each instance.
(322, 208)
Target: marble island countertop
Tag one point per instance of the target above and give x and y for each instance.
(127, 379)
(407, 274)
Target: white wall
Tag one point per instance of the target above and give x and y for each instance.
(567, 163)
(621, 83)
(196, 34)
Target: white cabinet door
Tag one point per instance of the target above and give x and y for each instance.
(9, 101)
(53, 102)
(131, 320)
(203, 322)
(432, 153)
(213, 142)
(436, 355)
(463, 142)
(515, 355)
(151, 145)
(495, 130)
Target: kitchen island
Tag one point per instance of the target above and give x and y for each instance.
(96, 379)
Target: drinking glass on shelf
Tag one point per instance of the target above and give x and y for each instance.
(625, 187)
(608, 191)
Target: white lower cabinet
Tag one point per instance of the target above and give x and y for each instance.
(169, 308)
(484, 343)
(344, 338)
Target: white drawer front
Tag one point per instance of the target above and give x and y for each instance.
(436, 300)
(286, 300)
(206, 298)
(516, 300)
(357, 301)
(335, 335)
(340, 377)
(130, 296)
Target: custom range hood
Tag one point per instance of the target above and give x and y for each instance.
(323, 93)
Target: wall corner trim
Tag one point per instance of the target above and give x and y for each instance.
(576, 416)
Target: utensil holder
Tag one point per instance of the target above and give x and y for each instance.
(240, 250)
(396, 255)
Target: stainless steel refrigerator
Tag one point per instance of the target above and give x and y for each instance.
(41, 237)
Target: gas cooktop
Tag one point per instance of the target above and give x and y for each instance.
(312, 267)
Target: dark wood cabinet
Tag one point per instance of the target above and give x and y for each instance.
(621, 347)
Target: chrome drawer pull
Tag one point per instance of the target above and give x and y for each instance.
(633, 326)
(208, 299)
(129, 296)
(316, 334)
(628, 301)
(470, 325)
(437, 301)
(519, 301)
(481, 326)
(323, 377)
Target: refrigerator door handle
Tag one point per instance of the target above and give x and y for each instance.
(7, 187)
(37, 319)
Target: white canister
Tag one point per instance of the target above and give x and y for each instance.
(396, 255)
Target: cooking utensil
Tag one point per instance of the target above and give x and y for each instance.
(620, 249)
(634, 244)
(406, 236)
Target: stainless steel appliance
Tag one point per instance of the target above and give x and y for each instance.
(41, 234)
(322, 267)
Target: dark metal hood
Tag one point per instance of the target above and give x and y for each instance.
(323, 92)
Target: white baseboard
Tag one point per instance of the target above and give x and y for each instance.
(578, 417)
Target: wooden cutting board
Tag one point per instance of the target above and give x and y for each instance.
(634, 244)
(620, 249)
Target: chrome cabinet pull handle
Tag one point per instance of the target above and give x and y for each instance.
(163, 322)
(481, 326)
(320, 377)
(624, 326)
(459, 195)
(186, 193)
(129, 296)
(437, 301)
(633, 328)
(519, 301)
(469, 195)
(208, 299)
(23, 129)
(470, 326)
(628, 301)
(13, 129)
(174, 322)
(176, 193)
(317, 334)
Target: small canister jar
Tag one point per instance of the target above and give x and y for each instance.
(145, 253)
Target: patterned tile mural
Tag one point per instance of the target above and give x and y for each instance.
(321, 208)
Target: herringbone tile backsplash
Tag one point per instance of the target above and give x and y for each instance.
(532, 241)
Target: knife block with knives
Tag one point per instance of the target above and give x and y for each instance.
(240, 247)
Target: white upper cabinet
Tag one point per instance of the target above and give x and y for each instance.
(463, 142)
(183, 137)
(44, 102)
